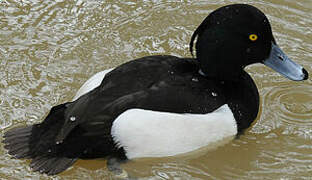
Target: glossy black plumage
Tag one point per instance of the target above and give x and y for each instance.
(36, 142)
(82, 129)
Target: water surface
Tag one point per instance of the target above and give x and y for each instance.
(49, 48)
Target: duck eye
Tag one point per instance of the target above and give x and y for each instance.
(253, 37)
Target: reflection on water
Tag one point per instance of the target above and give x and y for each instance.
(49, 48)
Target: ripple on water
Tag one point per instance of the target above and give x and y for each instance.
(178, 171)
(290, 107)
(292, 104)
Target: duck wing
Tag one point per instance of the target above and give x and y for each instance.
(159, 83)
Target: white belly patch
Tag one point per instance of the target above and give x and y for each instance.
(146, 133)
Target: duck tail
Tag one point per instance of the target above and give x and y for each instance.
(37, 142)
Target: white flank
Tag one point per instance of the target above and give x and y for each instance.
(145, 133)
(91, 83)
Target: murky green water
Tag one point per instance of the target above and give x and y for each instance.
(49, 48)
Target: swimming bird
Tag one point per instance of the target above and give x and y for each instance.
(162, 105)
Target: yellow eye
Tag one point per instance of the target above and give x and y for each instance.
(253, 37)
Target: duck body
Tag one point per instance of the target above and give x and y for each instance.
(162, 105)
(171, 97)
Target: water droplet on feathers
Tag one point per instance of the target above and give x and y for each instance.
(195, 79)
(73, 118)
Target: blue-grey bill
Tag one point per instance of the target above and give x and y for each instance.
(279, 62)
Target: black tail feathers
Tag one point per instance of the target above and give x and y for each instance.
(17, 142)
(37, 142)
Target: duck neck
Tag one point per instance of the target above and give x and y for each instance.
(233, 77)
(243, 99)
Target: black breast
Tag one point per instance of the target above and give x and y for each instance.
(243, 99)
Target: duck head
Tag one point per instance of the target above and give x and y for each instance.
(235, 36)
